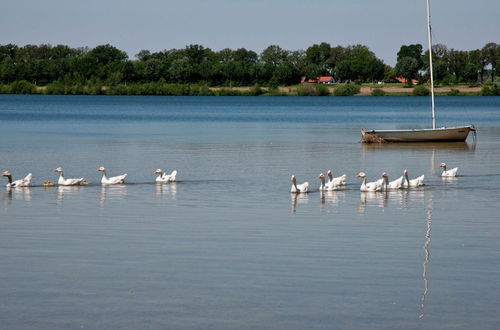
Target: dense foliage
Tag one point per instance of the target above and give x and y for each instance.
(377, 92)
(106, 69)
(421, 91)
(346, 90)
(450, 66)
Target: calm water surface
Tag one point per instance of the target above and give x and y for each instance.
(228, 247)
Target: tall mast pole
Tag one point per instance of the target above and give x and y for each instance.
(429, 39)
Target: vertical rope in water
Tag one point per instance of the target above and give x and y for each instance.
(429, 39)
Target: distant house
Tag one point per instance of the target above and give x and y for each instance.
(319, 80)
(403, 80)
(326, 80)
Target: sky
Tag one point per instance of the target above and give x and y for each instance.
(156, 25)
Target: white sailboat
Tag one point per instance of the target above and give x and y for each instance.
(440, 134)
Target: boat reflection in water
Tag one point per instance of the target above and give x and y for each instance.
(112, 192)
(169, 189)
(420, 146)
(427, 256)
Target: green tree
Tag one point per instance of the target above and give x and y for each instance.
(7, 70)
(439, 62)
(413, 51)
(407, 67)
(319, 56)
(358, 63)
(273, 55)
(491, 53)
(8, 50)
(179, 71)
(271, 58)
(106, 54)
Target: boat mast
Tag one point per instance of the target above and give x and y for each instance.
(429, 39)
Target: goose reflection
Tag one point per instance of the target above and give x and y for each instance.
(166, 190)
(298, 199)
(7, 198)
(401, 197)
(369, 197)
(66, 190)
(449, 180)
(332, 197)
(112, 192)
(18, 193)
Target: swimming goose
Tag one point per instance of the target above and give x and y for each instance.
(448, 173)
(338, 181)
(67, 182)
(18, 183)
(298, 188)
(164, 177)
(112, 180)
(321, 178)
(330, 185)
(396, 184)
(370, 186)
(417, 182)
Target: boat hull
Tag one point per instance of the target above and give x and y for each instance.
(443, 134)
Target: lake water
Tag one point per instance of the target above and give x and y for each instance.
(228, 247)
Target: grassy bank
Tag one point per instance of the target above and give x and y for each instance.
(159, 88)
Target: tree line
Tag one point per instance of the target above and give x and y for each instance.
(450, 66)
(106, 65)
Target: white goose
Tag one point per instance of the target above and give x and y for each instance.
(328, 186)
(113, 180)
(417, 182)
(164, 177)
(67, 182)
(448, 173)
(370, 186)
(299, 188)
(321, 178)
(18, 183)
(396, 184)
(338, 181)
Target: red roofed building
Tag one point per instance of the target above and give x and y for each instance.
(326, 80)
(319, 80)
(403, 80)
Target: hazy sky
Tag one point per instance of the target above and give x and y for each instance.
(132, 25)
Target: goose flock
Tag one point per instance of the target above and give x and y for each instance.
(105, 180)
(333, 183)
(382, 184)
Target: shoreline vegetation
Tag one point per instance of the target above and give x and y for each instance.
(165, 89)
(320, 70)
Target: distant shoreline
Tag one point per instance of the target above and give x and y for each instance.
(24, 87)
